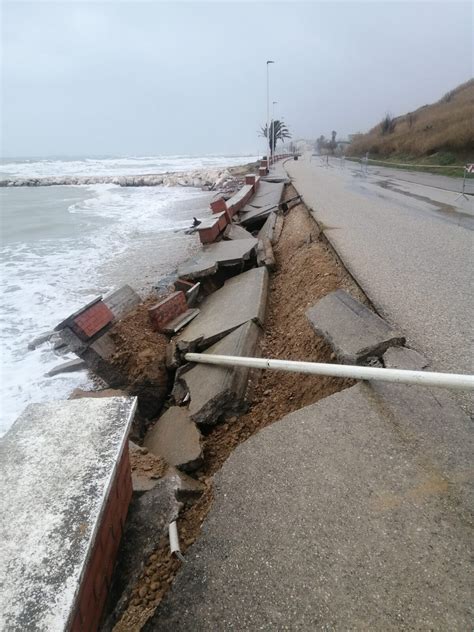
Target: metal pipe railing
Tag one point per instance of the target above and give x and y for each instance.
(397, 376)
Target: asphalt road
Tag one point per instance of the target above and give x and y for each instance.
(409, 246)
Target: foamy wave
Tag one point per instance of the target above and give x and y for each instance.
(44, 280)
(133, 165)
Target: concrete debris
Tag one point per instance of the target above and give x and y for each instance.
(234, 231)
(215, 390)
(122, 301)
(67, 367)
(176, 439)
(223, 253)
(265, 256)
(267, 230)
(353, 331)
(99, 359)
(79, 393)
(404, 358)
(262, 204)
(172, 357)
(242, 298)
(40, 339)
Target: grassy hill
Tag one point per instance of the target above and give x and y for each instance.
(438, 134)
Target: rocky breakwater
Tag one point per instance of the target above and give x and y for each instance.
(207, 179)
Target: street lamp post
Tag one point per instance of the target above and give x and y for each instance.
(269, 149)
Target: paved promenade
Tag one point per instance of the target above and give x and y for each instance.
(410, 248)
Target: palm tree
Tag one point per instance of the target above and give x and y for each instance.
(278, 131)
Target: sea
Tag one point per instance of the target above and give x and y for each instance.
(62, 246)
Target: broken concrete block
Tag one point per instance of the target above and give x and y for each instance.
(122, 301)
(72, 342)
(40, 339)
(176, 439)
(242, 298)
(67, 367)
(353, 331)
(404, 358)
(99, 359)
(263, 203)
(233, 231)
(172, 357)
(215, 256)
(214, 390)
(266, 232)
(280, 220)
(265, 255)
(79, 393)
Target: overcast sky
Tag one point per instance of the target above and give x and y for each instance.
(141, 78)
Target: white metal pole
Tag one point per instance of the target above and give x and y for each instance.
(399, 376)
(268, 116)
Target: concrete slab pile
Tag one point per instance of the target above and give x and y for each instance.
(212, 390)
(242, 298)
(263, 203)
(223, 254)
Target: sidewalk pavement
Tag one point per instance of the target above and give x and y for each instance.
(351, 513)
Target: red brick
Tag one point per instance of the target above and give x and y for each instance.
(92, 320)
(218, 206)
(167, 310)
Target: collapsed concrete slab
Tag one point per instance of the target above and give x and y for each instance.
(241, 299)
(343, 516)
(234, 231)
(67, 367)
(353, 331)
(263, 203)
(65, 488)
(99, 357)
(265, 256)
(122, 301)
(176, 439)
(214, 390)
(215, 256)
(266, 232)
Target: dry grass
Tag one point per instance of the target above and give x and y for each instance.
(445, 126)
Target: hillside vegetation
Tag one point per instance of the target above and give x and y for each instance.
(440, 133)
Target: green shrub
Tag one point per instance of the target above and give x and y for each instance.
(446, 158)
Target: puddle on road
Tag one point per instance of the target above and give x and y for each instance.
(441, 210)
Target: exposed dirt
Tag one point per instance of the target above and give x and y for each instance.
(139, 344)
(146, 464)
(307, 269)
(162, 567)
